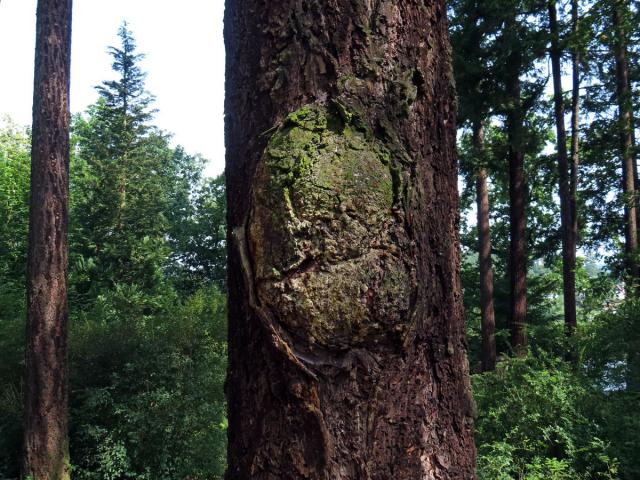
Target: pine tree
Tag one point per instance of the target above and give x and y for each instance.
(122, 224)
(476, 97)
(620, 14)
(516, 48)
(126, 104)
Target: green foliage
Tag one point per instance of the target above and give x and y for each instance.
(542, 417)
(144, 210)
(146, 283)
(197, 219)
(15, 160)
(148, 399)
(15, 146)
(536, 422)
(609, 340)
(119, 225)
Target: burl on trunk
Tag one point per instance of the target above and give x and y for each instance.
(346, 337)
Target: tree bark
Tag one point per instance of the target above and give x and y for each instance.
(575, 125)
(487, 314)
(627, 144)
(46, 450)
(517, 202)
(347, 350)
(566, 222)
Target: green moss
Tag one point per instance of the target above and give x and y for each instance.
(318, 149)
(343, 111)
(396, 182)
(323, 196)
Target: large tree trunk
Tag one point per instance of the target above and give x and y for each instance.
(566, 223)
(46, 450)
(487, 314)
(630, 176)
(517, 203)
(346, 339)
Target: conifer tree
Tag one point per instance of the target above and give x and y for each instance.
(476, 97)
(122, 225)
(566, 175)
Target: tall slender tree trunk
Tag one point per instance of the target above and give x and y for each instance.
(575, 126)
(346, 338)
(627, 144)
(630, 176)
(46, 448)
(487, 314)
(568, 240)
(517, 203)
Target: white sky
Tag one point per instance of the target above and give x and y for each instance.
(184, 60)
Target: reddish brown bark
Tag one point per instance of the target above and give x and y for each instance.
(566, 206)
(46, 451)
(627, 145)
(385, 393)
(517, 203)
(487, 314)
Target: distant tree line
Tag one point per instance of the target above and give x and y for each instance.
(548, 108)
(146, 292)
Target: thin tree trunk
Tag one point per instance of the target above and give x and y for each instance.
(488, 321)
(346, 337)
(568, 240)
(625, 113)
(575, 128)
(46, 449)
(517, 203)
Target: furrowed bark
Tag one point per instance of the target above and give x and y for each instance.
(566, 222)
(347, 348)
(487, 314)
(46, 450)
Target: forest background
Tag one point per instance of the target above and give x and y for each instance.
(147, 263)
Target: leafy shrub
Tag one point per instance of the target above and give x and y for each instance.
(536, 422)
(147, 390)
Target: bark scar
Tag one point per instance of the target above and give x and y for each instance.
(239, 234)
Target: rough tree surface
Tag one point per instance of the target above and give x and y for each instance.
(487, 311)
(346, 336)
(46, 445)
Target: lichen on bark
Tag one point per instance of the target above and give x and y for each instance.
(326, 231)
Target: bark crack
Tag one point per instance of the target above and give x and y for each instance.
(265, 317)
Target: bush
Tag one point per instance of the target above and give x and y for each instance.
(537, 422)
(147, 390)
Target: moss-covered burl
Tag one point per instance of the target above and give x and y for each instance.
(325, 231)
